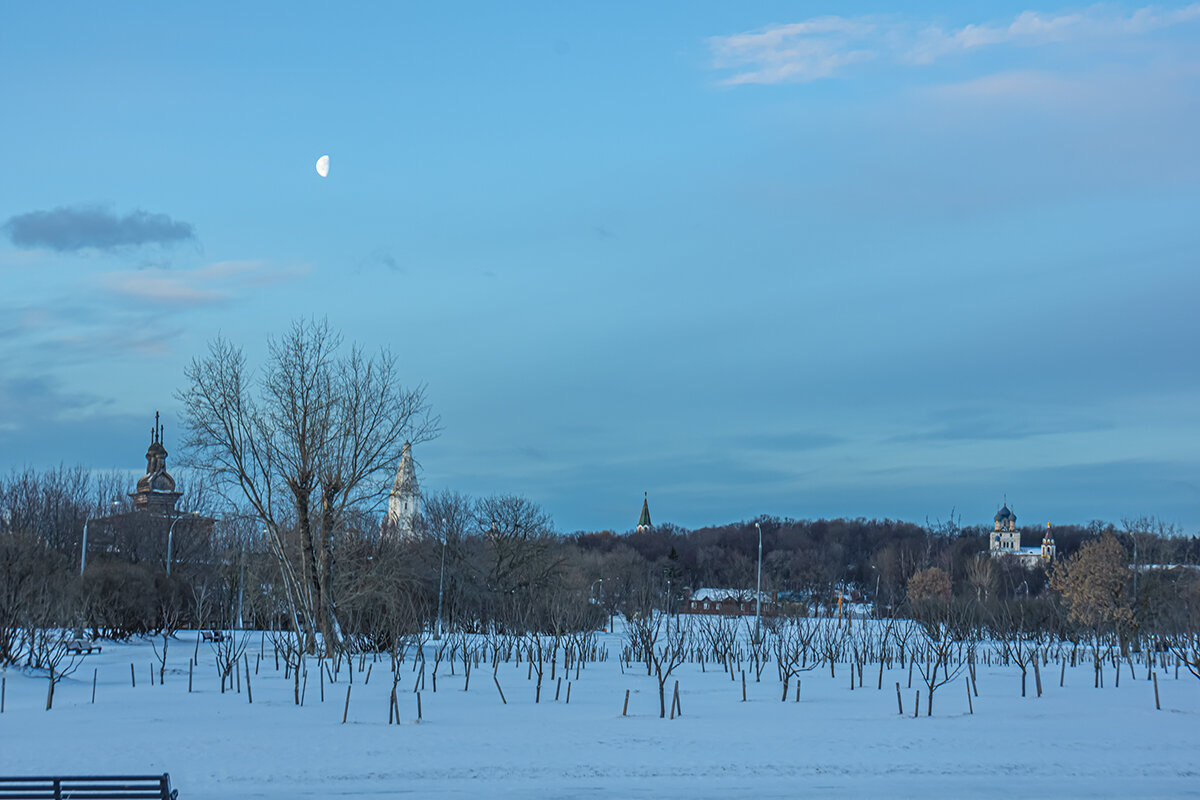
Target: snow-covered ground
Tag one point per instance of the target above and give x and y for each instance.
(1075, 741)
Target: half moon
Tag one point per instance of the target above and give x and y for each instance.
(323, 166)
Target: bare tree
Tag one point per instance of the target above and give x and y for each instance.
(946, 636)
(669, 656)
(793, 641)
(314, 438)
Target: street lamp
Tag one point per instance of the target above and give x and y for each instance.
(667, 575)
(437, 631)
(758, 591)
(170, 536)
(876, 597)
(601, 582)
(83, 550)
(242, 581)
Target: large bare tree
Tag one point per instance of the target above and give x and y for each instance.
(311, 439)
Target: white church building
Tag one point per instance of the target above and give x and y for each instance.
(403, 519)
(1005, 540)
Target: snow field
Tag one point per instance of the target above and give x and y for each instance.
(1076, 741)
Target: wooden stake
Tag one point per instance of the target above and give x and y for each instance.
(418, 706)
(1156, 705)
(3, 691)
(899, 702)
(94, 672)
(743, 686)
(132, 677)
(625, 710)
(321, 673)
(249, 695)
(558, 688)
(346, 710)
(917, 704)
(1063, 675)
(1037, 676)
(367, 679)
(970, 705)
(189, 677)
(568, 693)
(498, 689)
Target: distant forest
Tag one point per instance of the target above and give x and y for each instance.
(496, 563)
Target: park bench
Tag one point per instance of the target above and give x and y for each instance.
(90, 787)
(212, 636)
(80, 647)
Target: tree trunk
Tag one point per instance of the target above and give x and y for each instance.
(310, 591)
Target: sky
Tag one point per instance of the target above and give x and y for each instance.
(800, 259)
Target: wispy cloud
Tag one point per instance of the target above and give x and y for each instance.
(67, 229)
(380, 258)
(954, 425)
(823, 47)
(790, 441)
(213, 283)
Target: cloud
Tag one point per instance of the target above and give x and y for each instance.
(955, 425)
(380, 257)
(823, 47)
(207, 285)
(801, 52)
(36, 397)
(81, 227)
(789, 442)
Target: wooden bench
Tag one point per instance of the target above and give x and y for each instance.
(212, 636)
(80, 647)
(90, 787)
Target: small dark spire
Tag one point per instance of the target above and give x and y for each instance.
(644, 520)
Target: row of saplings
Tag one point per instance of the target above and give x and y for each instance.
(938, 650)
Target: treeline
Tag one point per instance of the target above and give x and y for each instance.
(496, 564)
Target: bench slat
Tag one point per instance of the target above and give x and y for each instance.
(87, 787)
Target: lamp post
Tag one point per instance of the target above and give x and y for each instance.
(758, 590)
(83, 549)
(590, 594)
(170, 536)
(876, 597)
(667, 575)
(437, 630)
(241, 582)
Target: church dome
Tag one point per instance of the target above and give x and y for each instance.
(1004, 515)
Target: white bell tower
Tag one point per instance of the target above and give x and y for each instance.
(403, 502)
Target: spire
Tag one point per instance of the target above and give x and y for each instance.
(402, 514)
(644, 520)
(156, 489)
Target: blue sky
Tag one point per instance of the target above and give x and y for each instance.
(786, 258)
